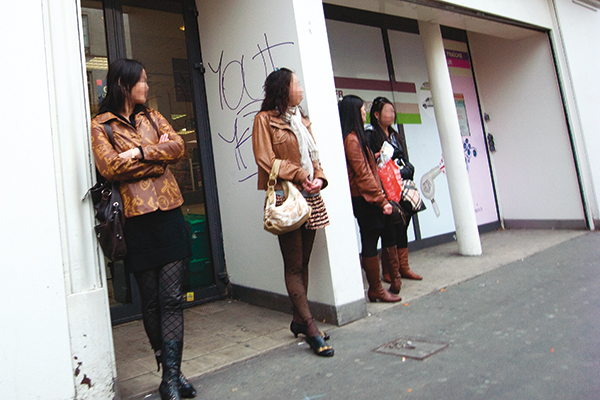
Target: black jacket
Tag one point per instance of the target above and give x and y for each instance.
(398, 141)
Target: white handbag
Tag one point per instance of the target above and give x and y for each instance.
(290, 215)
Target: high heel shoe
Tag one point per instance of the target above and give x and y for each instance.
(298, 328)
(318, 346)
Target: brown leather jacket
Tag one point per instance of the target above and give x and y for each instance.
(363, 177)
(274, 139)
(146, 185)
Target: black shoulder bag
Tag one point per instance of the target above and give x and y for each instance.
(109, 214)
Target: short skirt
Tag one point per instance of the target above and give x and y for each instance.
(369, 216)
(156, 239)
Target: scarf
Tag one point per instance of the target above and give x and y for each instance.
(306, 143)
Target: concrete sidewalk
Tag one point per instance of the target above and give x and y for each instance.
(223, 333)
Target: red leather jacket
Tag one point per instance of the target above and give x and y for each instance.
(363, 177)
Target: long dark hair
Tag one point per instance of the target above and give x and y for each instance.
(377, 135)
(277, 91)
(122, 76)
(351, 120)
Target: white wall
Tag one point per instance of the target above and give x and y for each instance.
(233, 50)
(519, 90)
(56, 324)
(236, 69)
(578, 52)
(342, 246)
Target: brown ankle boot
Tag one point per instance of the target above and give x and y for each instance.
(405, 271)
(391, 264)
(376, 290)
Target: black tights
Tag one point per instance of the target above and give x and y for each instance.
(296, 247)
(395, 235)
(161, 292)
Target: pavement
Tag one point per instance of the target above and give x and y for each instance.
(521, 321)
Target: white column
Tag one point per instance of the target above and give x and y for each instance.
(467, 233)
(338, 282)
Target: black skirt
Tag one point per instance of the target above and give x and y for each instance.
(369, 216)
(156, 239)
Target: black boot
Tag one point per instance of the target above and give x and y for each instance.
(171, 362)
(186, 389)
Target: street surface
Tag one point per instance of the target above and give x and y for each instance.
(527, 330)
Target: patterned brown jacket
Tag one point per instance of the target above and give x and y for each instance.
(146, 184)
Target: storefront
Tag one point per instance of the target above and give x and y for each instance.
(374, 55)
(522, 102)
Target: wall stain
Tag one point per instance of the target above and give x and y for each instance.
(86, 381)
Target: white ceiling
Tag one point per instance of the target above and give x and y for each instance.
(440, 16)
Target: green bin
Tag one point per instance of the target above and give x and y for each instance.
(200, 266)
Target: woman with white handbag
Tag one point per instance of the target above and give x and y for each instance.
(285, 150)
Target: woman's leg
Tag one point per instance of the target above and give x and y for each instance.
(173, 385)
(293, 251)
(389, 258)
(370, 263)
(170, 294)
(296, 247)
(402, 249)
(148, 285)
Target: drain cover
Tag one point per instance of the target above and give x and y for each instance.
(417, 349)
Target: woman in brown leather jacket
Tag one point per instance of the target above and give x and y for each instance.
(369, 202)
(281, 132)
(155, 232)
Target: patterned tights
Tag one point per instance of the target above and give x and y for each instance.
(161, 293)
(296, 247)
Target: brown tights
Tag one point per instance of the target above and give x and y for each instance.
(296, 247)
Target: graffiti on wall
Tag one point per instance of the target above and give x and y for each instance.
(241, 96)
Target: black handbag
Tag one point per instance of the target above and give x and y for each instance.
(108, 208)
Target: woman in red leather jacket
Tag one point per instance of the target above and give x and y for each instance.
(369, 202)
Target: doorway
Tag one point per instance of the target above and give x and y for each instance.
(163, 36)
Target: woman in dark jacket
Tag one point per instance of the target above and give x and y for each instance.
(281, 132)
(369, 202)
(394, 239)
(155, 232)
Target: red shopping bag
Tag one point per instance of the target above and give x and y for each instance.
(391, 180)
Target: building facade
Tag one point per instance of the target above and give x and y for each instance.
(497, 100)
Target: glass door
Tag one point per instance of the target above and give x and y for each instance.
(163, 36)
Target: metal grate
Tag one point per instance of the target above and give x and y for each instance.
(418, 349)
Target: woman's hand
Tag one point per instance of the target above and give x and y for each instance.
(164, 138)
(131, 153)
(387, 209)
(312, 187)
